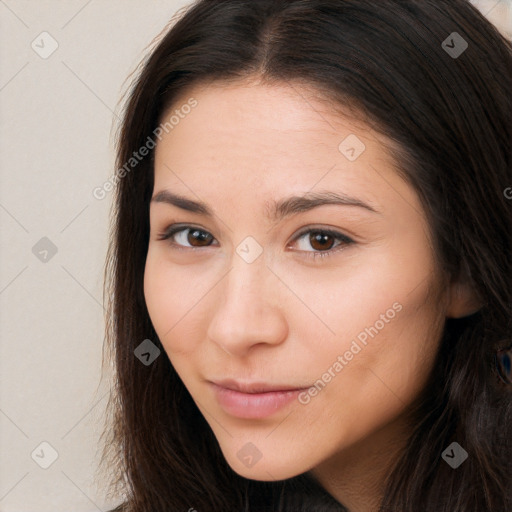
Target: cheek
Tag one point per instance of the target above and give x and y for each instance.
(355, 397)
(173, 296)
(383, 289)
(387, 326)
(392, 368)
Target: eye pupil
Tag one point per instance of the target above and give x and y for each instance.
(321, 238)
(201, 236)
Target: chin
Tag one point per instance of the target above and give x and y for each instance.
(264, 470)
(264, 474)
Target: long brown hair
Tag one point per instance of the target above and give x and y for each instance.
(451, 116)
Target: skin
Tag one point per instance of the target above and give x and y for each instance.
(285, 318)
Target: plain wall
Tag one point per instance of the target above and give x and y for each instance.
(58, 117)
(56, 145)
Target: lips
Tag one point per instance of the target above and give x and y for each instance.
(253, 400)
(253, 388)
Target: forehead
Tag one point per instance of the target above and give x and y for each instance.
(273, 139)
(263, 117)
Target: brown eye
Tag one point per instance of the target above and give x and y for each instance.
(321, 241)
(187, 237)
(198, 237)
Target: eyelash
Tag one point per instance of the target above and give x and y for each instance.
(345, 240)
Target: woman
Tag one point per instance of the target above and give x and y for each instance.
(309, 274)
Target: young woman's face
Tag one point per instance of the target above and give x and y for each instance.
(301, 331)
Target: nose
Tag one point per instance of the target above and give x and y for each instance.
(247, 309)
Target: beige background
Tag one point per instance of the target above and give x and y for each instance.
(58, 115)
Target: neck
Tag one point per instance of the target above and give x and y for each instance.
(356, 476)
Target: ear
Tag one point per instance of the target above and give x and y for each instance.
(462, 299)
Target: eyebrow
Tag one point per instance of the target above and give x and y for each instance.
(275, 210)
